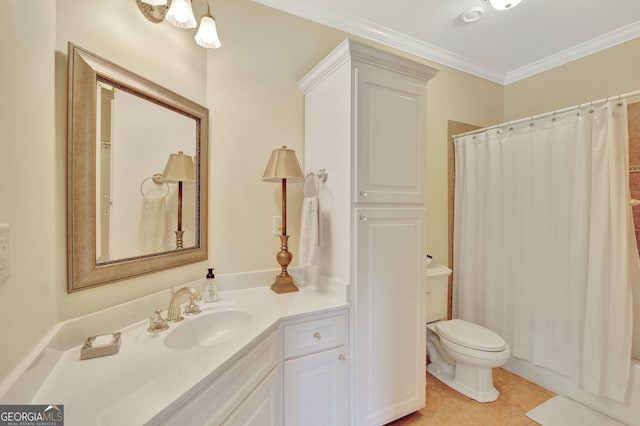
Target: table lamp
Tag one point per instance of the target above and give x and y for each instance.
(283, 166)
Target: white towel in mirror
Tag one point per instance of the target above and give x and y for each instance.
(153, 224)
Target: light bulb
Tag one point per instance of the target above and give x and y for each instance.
(180, 14)
(155, 2)
(207, 35)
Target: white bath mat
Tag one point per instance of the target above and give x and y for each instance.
(561, 411)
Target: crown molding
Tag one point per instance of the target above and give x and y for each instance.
(581, 50)
(383, 35)
(395, 39)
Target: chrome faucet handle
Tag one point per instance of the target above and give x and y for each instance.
(192, 308)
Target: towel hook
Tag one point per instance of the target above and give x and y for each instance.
(322, 174)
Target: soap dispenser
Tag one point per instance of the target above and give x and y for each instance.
(211, 288)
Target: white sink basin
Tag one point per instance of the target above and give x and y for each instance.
(208, 329)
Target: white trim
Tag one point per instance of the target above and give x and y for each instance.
(395, 39)
(371, 31)
(581, 50)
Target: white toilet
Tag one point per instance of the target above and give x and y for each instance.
(462, 354)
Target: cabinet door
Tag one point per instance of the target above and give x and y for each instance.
(390, 137)
(315, 389)
(262, 406)
(389, 314)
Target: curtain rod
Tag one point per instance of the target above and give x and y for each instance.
(548, 114)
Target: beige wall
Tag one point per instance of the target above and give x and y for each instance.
(255, 108)
(610, 72)
(27, 167)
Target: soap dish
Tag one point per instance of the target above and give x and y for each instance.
(101, 345)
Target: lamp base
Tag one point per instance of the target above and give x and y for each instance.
(179, 235)
(284, 284)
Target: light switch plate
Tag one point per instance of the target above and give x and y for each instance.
(4, 252)
(277, 226)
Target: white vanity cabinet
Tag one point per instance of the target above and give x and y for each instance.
(246, 393)
(315, 371)
(365, 122)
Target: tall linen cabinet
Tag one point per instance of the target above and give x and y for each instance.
(365, 122)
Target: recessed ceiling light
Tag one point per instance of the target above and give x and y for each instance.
(503, 4)
(473, 14)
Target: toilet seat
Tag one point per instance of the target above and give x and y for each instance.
(470, 336)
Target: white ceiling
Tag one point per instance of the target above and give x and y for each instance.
(502, 46)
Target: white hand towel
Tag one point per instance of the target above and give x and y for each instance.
(309, 233)
(153, 225)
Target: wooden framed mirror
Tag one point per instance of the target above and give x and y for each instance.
(123, 211)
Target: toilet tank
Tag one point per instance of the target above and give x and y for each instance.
(437, 292)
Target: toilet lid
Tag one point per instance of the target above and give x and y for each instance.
(470, 335)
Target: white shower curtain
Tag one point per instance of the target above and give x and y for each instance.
(544, 246)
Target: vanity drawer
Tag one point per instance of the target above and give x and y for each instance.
(311, 336)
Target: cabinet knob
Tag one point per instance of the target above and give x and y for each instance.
(363, 218)
(342, 357)
(364, 193)
(317, 336)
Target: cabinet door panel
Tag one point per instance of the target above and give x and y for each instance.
(390, 289)
(262, 406)
(390, 137)
(315, 389)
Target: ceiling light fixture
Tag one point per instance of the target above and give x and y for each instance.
(504, 4)
(473, 14)
(180, 14)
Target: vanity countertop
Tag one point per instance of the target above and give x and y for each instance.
(145, 377)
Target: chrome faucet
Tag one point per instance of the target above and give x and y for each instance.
(173, 313)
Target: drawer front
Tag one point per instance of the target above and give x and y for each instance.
(311, 336)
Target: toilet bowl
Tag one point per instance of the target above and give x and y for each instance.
(462, 354)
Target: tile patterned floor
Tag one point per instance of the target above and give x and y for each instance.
(447, 407)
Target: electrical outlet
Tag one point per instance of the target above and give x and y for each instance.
(4, 252)
(277, 226)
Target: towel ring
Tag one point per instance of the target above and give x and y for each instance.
(154, 179)
(311, 186)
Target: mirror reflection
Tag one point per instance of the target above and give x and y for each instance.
(146, 183)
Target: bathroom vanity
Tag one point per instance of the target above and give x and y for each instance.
(269, 361)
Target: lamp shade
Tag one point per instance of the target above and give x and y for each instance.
(207, 35)
(503, 4)
(180, 14)
(283, 164)
(179, 168)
